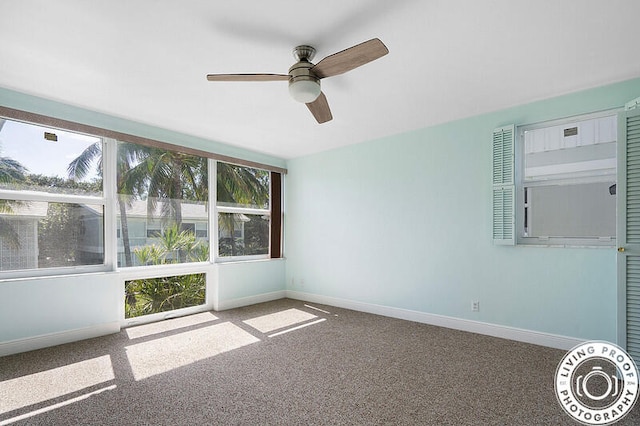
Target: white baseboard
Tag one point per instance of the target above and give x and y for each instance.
(251, 300)
(505, 332)
(54, 339)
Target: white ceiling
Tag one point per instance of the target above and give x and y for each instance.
(146, 60)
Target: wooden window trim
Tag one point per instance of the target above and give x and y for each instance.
(276, 215)
(43, 120)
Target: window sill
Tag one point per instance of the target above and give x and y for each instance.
(248, 260)
(567, 245)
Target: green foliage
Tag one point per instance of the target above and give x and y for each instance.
(150, 255)
(173, 247)
(152, 295)
(68, 186)
(257, 236)
(11, 170)
(254, 241)
(39, 182)
(242, 186)
(198, 253)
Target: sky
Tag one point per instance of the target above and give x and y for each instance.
(26, 144)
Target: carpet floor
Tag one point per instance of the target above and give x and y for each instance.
(285, 363)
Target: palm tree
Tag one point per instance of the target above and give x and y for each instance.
(242, 185)
(11, 170)
(82, 165)
(171, 177)
(151, 173)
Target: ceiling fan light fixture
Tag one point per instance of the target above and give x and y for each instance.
(304, 77)
(305, 91)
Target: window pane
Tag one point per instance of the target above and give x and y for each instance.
(40, 159)
(573, 150)
(242, 234)
(152, 295)
(39, 234)
(150, 235)
(568, 180)
(162, 201)
(581, 210)
(239, 186)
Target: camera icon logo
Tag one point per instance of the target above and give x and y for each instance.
(582, 388)
(596, 383)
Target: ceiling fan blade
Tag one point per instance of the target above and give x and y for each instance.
(320, 109)
(247, 77)
(350, 58)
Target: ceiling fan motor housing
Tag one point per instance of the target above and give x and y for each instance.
(304, 86)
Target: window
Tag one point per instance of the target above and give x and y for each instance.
(81, 201)
(565, 180)
(243, 211)
(162, 200)
(188, 227)
(52, 204)
(154, 233)
(90, 199)
(146, 296)
(202, 230)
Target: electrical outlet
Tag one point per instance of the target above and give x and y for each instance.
(475, 306)
(302, 283)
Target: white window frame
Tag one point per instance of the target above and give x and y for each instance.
(160, 271)
(213, 225)
(108, 215)
(520, 184)
(108, 200)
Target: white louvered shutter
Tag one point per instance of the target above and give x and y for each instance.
(628, 194)
(503, 186)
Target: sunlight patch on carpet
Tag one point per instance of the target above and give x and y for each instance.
(298, 327)
(55, 383)
(167, 353)
(169, 325)
(282, 319)
(317, 309)
(55, 406)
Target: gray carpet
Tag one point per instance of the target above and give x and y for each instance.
(284, 362)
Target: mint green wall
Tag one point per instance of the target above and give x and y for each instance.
(34, 307)
(405, 222)
(244, 280)
(402, 221)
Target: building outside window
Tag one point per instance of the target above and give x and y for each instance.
(49, 216)
(566, 181)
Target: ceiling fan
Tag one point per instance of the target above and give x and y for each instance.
(304, 77)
